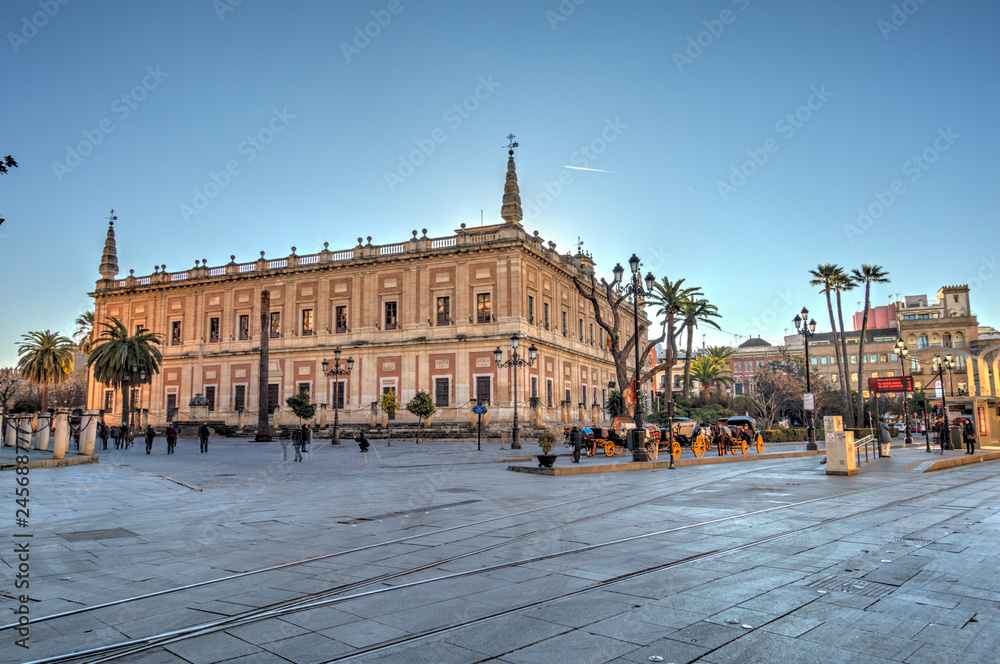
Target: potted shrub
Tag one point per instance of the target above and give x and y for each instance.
(546, 441)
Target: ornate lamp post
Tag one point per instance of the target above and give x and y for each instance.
(807, 330)
(134, 377)
(939, 367)
(515, 361)
(334, 372)
(902, 352)
(634, 288)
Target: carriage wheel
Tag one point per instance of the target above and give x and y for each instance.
(619, 449)
(698, 446)
(744, 447)
(760, 444)
(609, 448)
(676, 450)
(653, 451)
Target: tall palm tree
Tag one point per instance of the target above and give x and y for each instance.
(84, 334)
(826, 276)
(844, 282)
(116, 352)
(695, 311)
(709, 371)
(867, 275)
(669, 298)
(45, 357)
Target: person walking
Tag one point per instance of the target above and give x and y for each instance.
(362, 441)
(576, 437)
(884, 440)
(203, 433)
(297, 444)
(969, 432)
(150, 435)
(305, 438)
(284, 448)
(102, 431)
(171, 438)
(941, 432)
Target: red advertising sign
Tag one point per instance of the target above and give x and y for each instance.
(891, 384)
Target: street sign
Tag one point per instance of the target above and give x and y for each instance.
(809, 401)
(890, 384)
(479, 410)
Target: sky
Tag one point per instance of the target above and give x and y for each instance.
(734, 143)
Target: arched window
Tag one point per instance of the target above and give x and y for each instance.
(946, 340)
(923, 341)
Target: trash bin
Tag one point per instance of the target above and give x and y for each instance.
(505, 437)
(635, 439)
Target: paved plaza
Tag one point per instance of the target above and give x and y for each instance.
(438, 553)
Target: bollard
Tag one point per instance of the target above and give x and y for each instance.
(61, 444)
(43, 431)
(88, 431)
(24, 431)
(10, 436)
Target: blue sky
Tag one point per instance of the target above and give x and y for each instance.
(740, 137)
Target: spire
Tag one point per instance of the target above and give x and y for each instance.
(109, 260)
(511, 209)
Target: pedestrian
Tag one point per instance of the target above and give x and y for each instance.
(284, 448)
(970, 436)
(576, 437)
(297, 444)
(102, 431)
(305, 438)
(883, 440)
(76, 437)
(116, 434)
(129, 435)
(150, 435)
(362, 441)
(171, 438)
(941, 431)
(203, 437)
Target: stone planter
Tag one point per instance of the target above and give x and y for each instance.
(546, 460)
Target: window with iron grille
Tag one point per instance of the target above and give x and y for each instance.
(273, 395)
(240, 397)
(443, 310)
(390, 315)
(210, 395)
(548, 393)
(307, 322)
(275, 324)
(483, 389)
(337, 389)
(441, 392)
(175, 333)
(244, 327)
(531, 310)
(483, 314)
(213, 329)
(341, 321)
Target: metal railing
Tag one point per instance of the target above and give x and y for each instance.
(865, 443)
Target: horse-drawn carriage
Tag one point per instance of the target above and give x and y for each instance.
(736, 435)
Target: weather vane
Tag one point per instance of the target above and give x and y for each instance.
(511, 144)
(112, 218)
(579, 244)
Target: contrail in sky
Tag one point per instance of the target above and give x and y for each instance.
(596, 170)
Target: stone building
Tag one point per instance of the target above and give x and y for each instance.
(751, 356)
(423, 314)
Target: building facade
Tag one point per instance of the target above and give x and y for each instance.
(421, 315)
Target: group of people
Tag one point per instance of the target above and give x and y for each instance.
(123, 437)
(968, 432)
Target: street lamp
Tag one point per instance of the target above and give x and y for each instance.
(337, 371)
(939, 367)
(634, 288)
(515, 361)
(902, 352)
(807, 328)
(134, 378)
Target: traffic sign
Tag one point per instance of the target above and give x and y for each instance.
(479, 410)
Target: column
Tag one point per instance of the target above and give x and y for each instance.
(61, 445)
(88, 431)
(24, 430)
(43, 431)
(10, 437)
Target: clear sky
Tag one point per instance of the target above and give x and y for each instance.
(735, 140)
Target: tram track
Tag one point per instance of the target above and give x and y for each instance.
(328, 598)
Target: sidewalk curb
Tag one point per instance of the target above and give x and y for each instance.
(647, 465)
(53, 463)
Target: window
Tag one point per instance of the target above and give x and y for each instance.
(854, 377)
(273, 395)
(874, 374)
(109, 401)
(813, 361)
(569, 397)
(883, 358)
(564, 327)
(591, 334)
(584, 395)
(546, 313)
(213, 329)
(922, 342)
(139, 328)
(893, 357)
(390, 316)
(737, 366)
(305, 387)
(548, 393)
(175, 333)
(739, 389)
(483, 391)
(340, 323)
(531, 310)
(210, 395)
(854, 359)
(441, 392)
(171, 407)
(834, 378)
(244, 327)
(307, 322)
(823, 361)
(275, 326)
(443, 310)
(890, 374)
(534, 387)
(337, 393)
(240, 397)
(581, 329)
(390, 390)
(873, 358)
(483, 308)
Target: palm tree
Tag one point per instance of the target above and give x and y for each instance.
(670, 297)
(867, 275)
(118, 358)
(694, 312)
(827, 275)
(843, 283)
(45, 357)
(709, 371)
(84, 334)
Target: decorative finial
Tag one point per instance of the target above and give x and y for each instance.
(112, 218)
(326, 245)
(262, 254)
(511, 144)
(232, 257)
(293, 250)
